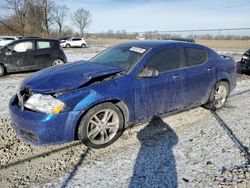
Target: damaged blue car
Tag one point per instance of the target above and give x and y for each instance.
(126, 84)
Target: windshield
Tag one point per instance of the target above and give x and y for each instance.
(120, 56)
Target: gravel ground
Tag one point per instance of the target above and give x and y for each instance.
(195, 148)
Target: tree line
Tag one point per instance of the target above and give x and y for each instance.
(44, 18)
(152, 35)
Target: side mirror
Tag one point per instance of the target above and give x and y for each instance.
(8, 51)
(149, 72)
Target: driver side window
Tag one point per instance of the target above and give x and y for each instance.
(22, 47)
(166, 60)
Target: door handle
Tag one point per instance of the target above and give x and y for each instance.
(211, 69)
(176, 77)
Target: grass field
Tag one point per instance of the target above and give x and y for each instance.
(240, 45)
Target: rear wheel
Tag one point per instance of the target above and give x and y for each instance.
(218, 96)
(57, 62)
(2, 70)
(101, 126)
(83, 45)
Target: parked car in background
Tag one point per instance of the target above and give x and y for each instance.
(7, 39)
(182, 39)
(30, 37)
(74, 42)
(63, 39)
(244, 63)
(140, 37)
(132, 82)
(30, 54)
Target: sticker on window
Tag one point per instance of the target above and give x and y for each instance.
(138, 50)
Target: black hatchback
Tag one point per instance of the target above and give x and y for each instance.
(30, 54)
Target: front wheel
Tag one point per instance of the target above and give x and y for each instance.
(101, 126)
(2, 71)
(218, 96)
(83, 46)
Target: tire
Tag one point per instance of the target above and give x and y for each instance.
(94, 130)
(67, 45)
(83, 46)
(218, 96)
(56, 62)
(2, 70)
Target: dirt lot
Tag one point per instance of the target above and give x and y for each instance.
(235, 45)
(195, 148)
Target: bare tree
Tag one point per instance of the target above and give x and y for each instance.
(35, 18)
(19, 8)
(60, 13)
(47, 8)
(82, 19)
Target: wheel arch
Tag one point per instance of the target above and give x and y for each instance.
(120, 104)
(225, 78)
(4, 67)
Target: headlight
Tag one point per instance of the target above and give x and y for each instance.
(44, 103)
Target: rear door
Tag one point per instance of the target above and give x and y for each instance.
(44, 51)
(21, 56)
(199, 76)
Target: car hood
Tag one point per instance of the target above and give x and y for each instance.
(66, 77)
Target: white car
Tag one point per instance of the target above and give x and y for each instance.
(74, 42)
(6, 40)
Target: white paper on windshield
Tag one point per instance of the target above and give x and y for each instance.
(137, 49)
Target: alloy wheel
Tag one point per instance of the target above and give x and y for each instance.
(220, 95)
(103, 126)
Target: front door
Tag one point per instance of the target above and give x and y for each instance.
(76, 42)
(21, 56)
(162, 93)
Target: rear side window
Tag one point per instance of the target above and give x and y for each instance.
(43, 44)
(167, 59)
(195, 56)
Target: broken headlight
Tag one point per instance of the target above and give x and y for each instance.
(44, 103)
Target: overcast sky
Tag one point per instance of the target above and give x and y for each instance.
(150, 15)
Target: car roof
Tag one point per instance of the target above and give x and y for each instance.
(40, 39)
(32, 39)
(160, 43)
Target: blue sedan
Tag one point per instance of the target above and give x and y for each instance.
(128, 83)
